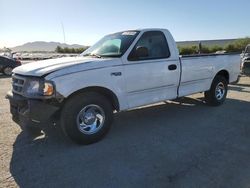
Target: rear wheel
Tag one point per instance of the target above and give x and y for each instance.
(218, 91)
(7, 71)
(87, 117)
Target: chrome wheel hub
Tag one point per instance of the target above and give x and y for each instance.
(220, 91)
(90, 119)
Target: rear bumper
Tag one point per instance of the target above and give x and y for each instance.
(29, 112)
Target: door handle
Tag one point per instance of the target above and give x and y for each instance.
(116, 74)
(172, 67)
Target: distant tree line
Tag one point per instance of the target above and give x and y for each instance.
(60, 49)
(236, 46)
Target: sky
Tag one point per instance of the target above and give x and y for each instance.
(86, 21)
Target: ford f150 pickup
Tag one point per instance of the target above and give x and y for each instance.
(122, 71)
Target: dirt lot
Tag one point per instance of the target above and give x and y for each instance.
(167, 145)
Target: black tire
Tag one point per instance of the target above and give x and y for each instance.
(7, 71)
(70, 117)
(210, 95)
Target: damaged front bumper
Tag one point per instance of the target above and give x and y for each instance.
(30, 112)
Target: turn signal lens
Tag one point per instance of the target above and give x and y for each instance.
(48, 89)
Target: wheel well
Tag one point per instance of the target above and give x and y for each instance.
(224, 73)
(103, 91)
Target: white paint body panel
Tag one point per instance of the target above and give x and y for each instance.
(40, 68)
(141, 82)
(199, 72)
(150, 81)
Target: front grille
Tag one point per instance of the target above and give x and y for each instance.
(17, 84)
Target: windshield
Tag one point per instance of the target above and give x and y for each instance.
(114, 45)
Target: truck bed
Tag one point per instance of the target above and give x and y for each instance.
(198, 71)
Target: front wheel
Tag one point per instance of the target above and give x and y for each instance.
(218, 91)
(7, 71)
(87, 117)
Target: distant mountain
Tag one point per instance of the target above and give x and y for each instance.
(43, 46)
(220, 42)
(51, 46)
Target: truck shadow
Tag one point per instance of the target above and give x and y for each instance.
(239, 88)
(243, 85)
(181, 143)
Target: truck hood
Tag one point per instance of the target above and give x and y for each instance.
(40, 68)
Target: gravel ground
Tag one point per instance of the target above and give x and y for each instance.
(179, 144)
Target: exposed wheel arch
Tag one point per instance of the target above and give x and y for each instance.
(223, 73)
(103, 91)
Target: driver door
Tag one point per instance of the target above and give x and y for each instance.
(152, 75)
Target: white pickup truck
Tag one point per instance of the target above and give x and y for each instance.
(122, 71)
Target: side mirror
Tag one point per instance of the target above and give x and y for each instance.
(141, 52)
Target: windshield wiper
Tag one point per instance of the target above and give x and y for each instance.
(93, 55)
(112, 55)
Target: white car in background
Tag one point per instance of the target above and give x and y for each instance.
(245, 60)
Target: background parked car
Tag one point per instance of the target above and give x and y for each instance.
(245, 64)
(8, 64)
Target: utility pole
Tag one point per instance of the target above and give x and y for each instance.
(200, 47)
(63, 33)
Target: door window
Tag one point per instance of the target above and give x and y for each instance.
(151, 45)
